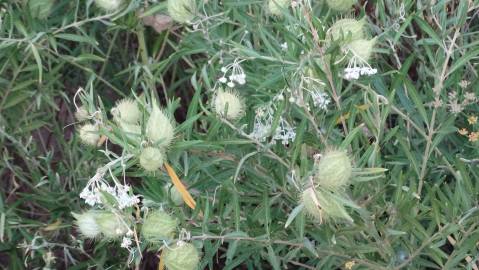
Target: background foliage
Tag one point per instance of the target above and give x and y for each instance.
(423, 214)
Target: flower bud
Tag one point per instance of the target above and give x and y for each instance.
(333, 170)
(182, 11)
(151, 158)
(111, 225)
(126, 111)
(340, 5)
(276, 7)
(361, 48)
(183, 256)
(87, 224)
(159, 129)
(40, 9)
(158, 226)
(89, 134)
(228, 104)
(109, 5)
(174, 194)
(323, 206)
(82, 114)
(347, 30)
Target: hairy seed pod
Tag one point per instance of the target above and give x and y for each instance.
(182, 11)
(276, 7)
(322, 206)
(340, 5)
(174, 194)
(158, 226)
(228, 104)
(151, 158)
(361, 48)
(159, 128)
(333, 170)
(111, 225)
(87, 224)
(41, 9)
(89, 134)
(82, 114)
(347, 30)
(109, 5)
(126, 111)
(183, 256)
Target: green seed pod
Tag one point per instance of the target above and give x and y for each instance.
(174, 194)
(347, 30)
(182, 11)
(159, 226)
(111, 225)
(89, 134)
(151, 159)
(159, 129)
(183, 256)
(40, 9)
(109, 5)
(87, 224)
(126, 111)
(361, 48)
(323, 206)
(228, 102)
(340, 5)
(333, 170)
(276, 7)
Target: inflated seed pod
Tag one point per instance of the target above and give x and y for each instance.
(151, 158)
(347, 30)
(88, 134)
(126, 111)
(182, 256)
(276, 7)
(228, 104)
(159, 128)
(159, 226)
(87, 225)
(333, 170)
(110, 224)
(340, 5)
(182, 11)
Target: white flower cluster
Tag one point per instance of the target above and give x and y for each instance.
(353, 73)
(321, 100)
(96, 185)
(236, 74)
(263, 123)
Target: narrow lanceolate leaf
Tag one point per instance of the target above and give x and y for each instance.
(181, 188)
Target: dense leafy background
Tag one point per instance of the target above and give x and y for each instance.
(423, 214)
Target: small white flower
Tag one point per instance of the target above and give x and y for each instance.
(284, 46)
(230, 84)
(126, 242)
(223, 80)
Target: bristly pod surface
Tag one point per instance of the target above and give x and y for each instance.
(340, 5)
(182, 11)
(228, 104)
(87, 224)
(182, 256)
(277, 7)
(334, 170)
(159, 128)
(158, 226)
